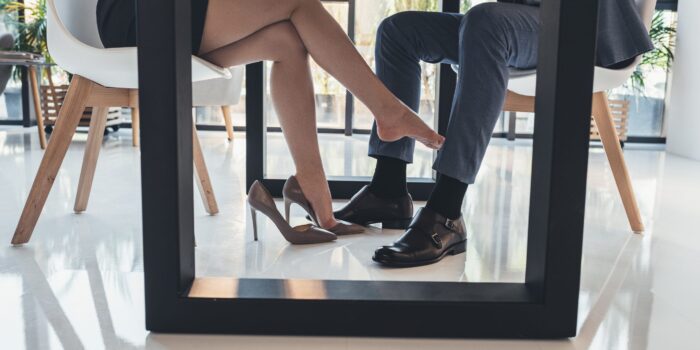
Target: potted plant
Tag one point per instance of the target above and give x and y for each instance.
(649, 104)
(29, 22)
(662, 36)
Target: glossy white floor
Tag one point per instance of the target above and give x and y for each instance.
(79, 283)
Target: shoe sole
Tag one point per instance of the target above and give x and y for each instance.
(400, 224)
(455, 249)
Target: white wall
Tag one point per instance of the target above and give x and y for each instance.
(683, 136)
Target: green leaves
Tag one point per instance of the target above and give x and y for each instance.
(662, 35)
(30, 22)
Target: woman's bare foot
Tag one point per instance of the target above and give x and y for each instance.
(328, 223)
(319, 198)
(408, 124)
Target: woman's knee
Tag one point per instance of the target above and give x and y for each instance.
(284, 39)
(297, 4)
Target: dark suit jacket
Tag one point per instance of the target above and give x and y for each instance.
(621, 33)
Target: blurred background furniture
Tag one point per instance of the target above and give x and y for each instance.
(33, 62)
(222, 93)
(52, 97)
(619, 108)
(7, 42)
(620, 115)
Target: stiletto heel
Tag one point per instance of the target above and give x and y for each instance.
(254, 215)
(293, 194)
(260, 199)
(287, 206)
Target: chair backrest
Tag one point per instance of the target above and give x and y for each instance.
(80, 19)
(73, 39)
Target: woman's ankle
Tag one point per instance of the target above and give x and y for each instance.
(327, 223)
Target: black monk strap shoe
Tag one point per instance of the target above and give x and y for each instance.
(365, 208)
(429, 238)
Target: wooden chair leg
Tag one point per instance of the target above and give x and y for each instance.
(611, 142)
(34, 83)
(68, 119)
(227, 120)
(202, 177)
(135, 127)
(98, 121)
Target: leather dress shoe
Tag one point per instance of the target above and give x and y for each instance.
(366, 208)
(429, 239)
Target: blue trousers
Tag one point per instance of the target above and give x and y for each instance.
(485, 42)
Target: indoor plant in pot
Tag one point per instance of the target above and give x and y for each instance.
(29, 20)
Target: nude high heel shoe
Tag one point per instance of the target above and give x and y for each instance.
(294, 195)
(259, 199)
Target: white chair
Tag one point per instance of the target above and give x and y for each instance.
(75, 36)
(102, 78)
(521, 98)
(222, 93)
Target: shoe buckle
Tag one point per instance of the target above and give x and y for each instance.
(436, 239)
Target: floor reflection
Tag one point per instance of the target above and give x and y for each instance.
(79, 284)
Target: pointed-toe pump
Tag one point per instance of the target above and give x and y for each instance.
(260, 199)
(294, 195)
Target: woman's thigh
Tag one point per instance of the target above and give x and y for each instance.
(229, 21)
(276, 42)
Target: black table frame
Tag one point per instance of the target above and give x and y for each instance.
(545, 306)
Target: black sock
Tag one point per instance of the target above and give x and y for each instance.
(447, 197)
(389, 180)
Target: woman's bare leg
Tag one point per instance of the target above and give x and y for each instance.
(229, 21)
(293, 98)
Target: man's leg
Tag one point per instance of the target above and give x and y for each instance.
(403, 41)
(493, 36)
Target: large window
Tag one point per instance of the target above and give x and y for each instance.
(331, 97)
(646, 93)
(20, 33)
(346, 156)
(647, 103)
(647, 90)
(370, 13)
